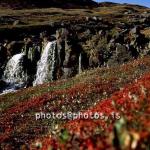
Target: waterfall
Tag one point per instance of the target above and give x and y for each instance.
(47, 64)
(80, 63)
(14, 73)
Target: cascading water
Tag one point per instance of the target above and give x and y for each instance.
(80, 63)
(47, 64)
(14, 74)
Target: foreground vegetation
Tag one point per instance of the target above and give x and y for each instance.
(131, 131)
(93, 90)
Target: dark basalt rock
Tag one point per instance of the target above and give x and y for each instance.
(3, 54)
(68, 52)
(13, 47)
(2, 84)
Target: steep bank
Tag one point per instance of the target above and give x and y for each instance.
(19, 126)
(94, 39)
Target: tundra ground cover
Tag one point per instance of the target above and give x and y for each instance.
(86, 91)
(131, 131)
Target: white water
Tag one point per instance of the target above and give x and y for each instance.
(9, 90)
(14, 71)
(80, 63)
(14, 74)
(46, 65)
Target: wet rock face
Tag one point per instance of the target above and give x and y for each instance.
(2, 85)
(13, 47)
(61, 37)
(3, 54)
(32, 49)
(68, 52)
(3, 59)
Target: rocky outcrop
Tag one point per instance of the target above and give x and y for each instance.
(121, 55)
(80, 44)
(3, 58)
(81, 49)
(2, 85)
(68, 52)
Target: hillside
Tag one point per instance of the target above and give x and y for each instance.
(64, 62)
(103, 90)
(20, 4)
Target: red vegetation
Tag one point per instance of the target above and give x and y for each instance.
(87, 93)
(132, 103)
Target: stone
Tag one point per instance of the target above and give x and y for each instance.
(94, 18)
(2, 84)
(120, 55)
(95, 60)
(149, 45)
(135, 30)
(87, 18)
(14, 47)
(67, 72)
(16, 22)
(3, 53)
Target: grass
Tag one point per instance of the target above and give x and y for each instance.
(36, 16)
(33, 17)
